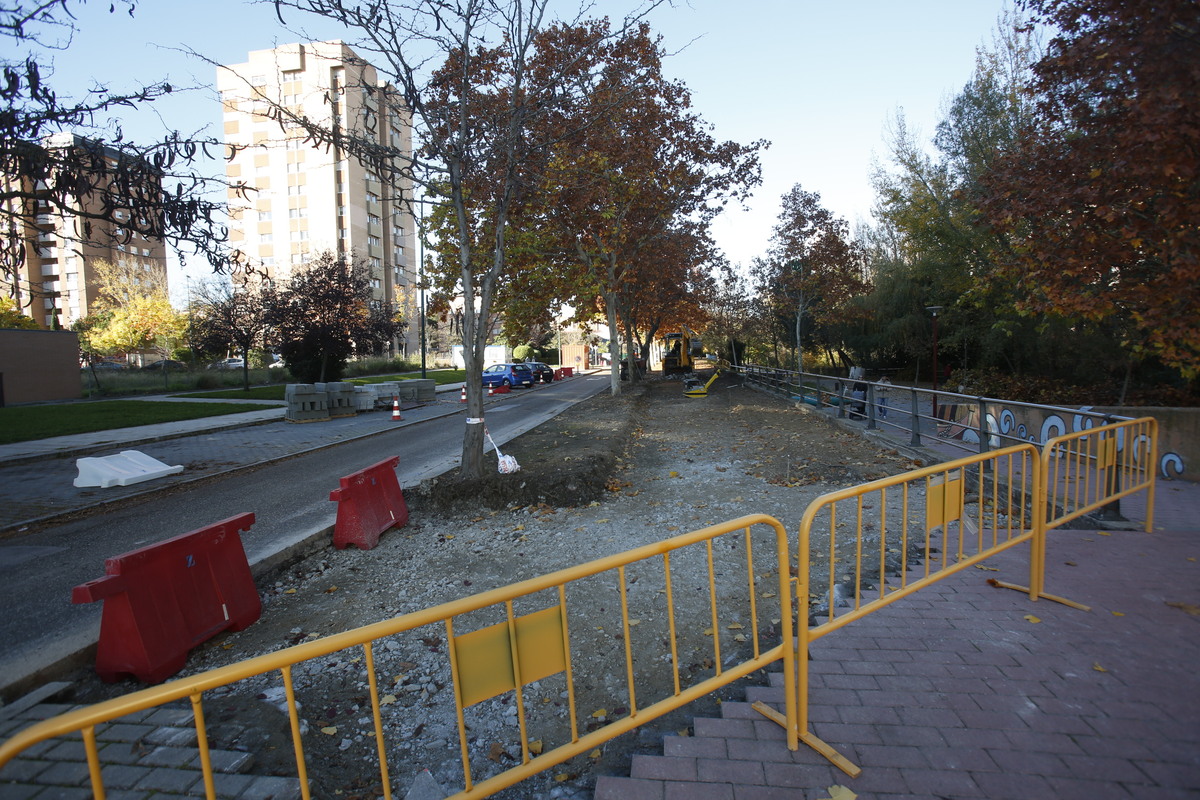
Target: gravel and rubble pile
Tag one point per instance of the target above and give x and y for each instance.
(611, 474)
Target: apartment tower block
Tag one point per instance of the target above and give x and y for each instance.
(304, 197)
(65, 235)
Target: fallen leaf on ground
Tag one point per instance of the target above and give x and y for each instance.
(496, 752)
(839, 792)
(1098, 668)
(1032, 618)
(1186, 608)
(1118, 613)
(600, 712)
(330, 731)
(535, 747)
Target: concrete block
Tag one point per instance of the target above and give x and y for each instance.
(306, 403)
(126, 468)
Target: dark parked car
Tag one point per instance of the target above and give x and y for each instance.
(541, 372)
(108, 365)
(508, 375)
(166, 363)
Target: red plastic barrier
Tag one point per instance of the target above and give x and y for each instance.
(164, 599)
(558, 374)
(369, 502)
(568, 372)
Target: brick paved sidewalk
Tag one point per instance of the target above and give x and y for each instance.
(957, 692)
(150, 755)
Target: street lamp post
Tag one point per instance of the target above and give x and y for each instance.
(934, 311)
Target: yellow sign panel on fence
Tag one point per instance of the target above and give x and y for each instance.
(944, 502)
(485, 656)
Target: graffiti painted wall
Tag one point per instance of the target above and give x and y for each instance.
(1178, 430)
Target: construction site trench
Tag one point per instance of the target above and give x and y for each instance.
(608, 475)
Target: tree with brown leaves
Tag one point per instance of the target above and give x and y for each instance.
(1101, 196)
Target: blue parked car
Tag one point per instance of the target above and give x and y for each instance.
(508, 375)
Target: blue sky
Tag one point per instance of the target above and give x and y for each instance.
(820, 80)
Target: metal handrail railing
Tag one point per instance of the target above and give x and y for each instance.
(960, 420)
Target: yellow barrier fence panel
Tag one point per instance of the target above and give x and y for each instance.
(1090, 469)
(864, 547)
(512, 653)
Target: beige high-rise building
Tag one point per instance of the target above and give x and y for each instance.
(56, 284)
(305, 197)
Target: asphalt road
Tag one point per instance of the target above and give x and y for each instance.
(40, 628)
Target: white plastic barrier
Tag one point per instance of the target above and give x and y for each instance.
(123, 469)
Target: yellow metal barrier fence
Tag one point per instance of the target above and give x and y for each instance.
(520, 649)
(1087, 470)
(902, 533)
(1083, 472)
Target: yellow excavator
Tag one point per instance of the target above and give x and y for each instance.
(680, 351)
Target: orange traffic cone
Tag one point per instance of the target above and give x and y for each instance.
(491, 390)
(463, 397)
(396, 409)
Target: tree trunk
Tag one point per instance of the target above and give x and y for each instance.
(799, 346)
(614, 342)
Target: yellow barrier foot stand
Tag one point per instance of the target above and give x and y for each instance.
(1025, 590)
(835, 758)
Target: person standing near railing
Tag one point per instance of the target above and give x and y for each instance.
(881, 396)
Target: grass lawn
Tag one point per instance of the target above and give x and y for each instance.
(27, 423)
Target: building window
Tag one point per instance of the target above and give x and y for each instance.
(300, 236)
(266, 238)
(372, 197)
(264, 216)
(373, 219)
(295, 167)
(373, 241)
(294, 191)
(297, 213)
